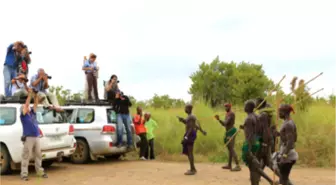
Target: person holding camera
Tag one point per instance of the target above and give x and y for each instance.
(31, 137)
(19, 86)
(14, 54)
(121, 106)
(39, 84)
(90, 67)
(111, 88)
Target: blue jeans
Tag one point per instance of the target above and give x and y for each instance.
(124, 120)
(9, 73)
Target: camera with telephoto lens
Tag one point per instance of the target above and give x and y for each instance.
(49, 77)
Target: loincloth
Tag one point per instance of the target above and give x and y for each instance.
(229, 134)
(255, 148)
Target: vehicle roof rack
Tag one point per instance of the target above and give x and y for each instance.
(88, 103)
(15, 100)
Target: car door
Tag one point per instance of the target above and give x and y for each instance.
(54, 128)
(11, 131)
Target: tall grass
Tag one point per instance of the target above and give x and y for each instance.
(315, 145)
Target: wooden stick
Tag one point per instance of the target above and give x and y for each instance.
(275, 87)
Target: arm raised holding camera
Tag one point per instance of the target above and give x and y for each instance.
(45, 81)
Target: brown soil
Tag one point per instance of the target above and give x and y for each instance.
(157, 173)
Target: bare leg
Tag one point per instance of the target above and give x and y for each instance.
(192, 170)
(256, 165)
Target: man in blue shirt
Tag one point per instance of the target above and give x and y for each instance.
(30, 138)
(39, 83)
(90, 68)
(11, 64)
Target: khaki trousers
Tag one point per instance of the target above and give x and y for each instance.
(31, 147)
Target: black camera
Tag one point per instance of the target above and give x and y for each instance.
(35, 91)
(49, 77)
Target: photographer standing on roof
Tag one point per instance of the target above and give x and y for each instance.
(39, 83)
(17, 58)
(90, 67)
(19, 86)
(30, 138)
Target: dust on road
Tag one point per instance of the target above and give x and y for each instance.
(157, 173)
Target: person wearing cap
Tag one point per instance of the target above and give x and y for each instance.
(11, 65)
(90, 67)
(111, 87)
(19, 86)
(231, 130)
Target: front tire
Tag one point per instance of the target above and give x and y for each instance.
(82, 153)
(5, 160)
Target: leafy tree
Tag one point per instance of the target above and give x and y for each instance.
(332, 100)
(230, 82)
(63, 95)
(165, 102)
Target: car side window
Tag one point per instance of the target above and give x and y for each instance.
(85, 116)
(111, 116)
(7, 115)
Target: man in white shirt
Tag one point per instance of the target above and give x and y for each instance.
(19, 86)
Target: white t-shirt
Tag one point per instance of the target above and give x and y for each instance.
(15, 87)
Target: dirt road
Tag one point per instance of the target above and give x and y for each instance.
(157, 173)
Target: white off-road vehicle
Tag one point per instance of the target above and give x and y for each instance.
(57, 139)
(95, 131)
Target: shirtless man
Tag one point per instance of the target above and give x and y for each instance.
(264, 122)
(288, 136)
(251, 145)
(268, 136)
(228, 123)
(189, 137)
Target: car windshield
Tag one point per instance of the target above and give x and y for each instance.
(46, 116)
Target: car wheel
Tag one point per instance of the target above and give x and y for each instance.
(114, 157)
(46, 164)
(5, 160)
(82, 153)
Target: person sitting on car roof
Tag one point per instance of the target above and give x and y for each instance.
(39, 83)
(111, 87)
(19, 86)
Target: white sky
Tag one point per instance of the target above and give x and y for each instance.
(154, 46)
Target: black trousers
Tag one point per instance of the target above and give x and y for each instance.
(150, 150)
(285, 170)
(143, 144)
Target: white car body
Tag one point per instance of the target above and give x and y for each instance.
(95, 140)
(57, 139)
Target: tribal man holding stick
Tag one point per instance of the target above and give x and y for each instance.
(228, 123)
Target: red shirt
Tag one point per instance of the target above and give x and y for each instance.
(139, 124)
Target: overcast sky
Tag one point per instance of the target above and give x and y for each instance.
(154, 46)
